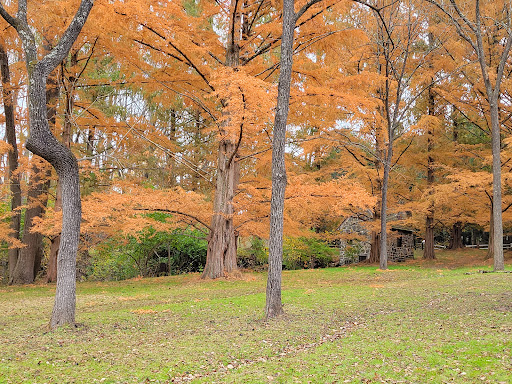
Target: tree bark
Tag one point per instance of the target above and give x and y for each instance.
(221, 252)
(473, 32)
(30, 256)
(51, 274)
(52, 96)
(375, 236)
(499, 261)
(51, 270)
(375, 247)
(383, 263)
(14, 178)
(490, 247)
(274, 306)
(456, 236)
(43, 143)
(171, 183)
(429, 251)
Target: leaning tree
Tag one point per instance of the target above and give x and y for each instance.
(43, 143)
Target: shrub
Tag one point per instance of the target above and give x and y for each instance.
(302, 252)
(182, 254)
(255, 256)
(108, 263)
(149, 254)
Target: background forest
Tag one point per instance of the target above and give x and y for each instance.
(396, 106)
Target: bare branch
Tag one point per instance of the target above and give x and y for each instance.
(87, 61)
(8, 18)
(175, 212)
(455, 22)
(503, 61)
(185, 57)
(303, 10)
(401, 154)
(57, 54)
(378, 10)
(233, 154)
(183, 161)
(249, 220)
(254, 154)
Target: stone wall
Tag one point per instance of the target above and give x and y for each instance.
(353, 251)
(400, 243)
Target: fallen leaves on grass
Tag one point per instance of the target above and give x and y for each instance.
(132, 298)
(288, 350)
(143, 311)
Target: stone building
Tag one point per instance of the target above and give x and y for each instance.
(400, 242)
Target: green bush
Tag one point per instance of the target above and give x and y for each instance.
(302, 252)
(255, 256)
(184, 253)
(108, 263)
(298, 253)
(149, 254)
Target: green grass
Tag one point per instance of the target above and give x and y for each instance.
(420, 322)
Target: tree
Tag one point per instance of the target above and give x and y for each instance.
(224, 66)
(29, 257)
(68, 83)
(477, 28)
(24, 258)
(429, 250)
(43, 143)
(13, 174)
(395, 58)
(274, 307)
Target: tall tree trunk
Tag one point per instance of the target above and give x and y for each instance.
(222, 245)
(170, 160)
(89, 145)
(428, 251)
(196, 180)
(14, 178)
(274, 306)
(375, 236)
(51, 274)
(31, 255)
(375, 247)
(26, 270)
(490, 248)
(43, 143)
(377, 191)
(383, 264)
(455, 127)
(499, 261)
(456, 236)
(221, 252)
(51, 271)
(474, 32)
(52, 96)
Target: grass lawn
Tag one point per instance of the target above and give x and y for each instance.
(419, 322)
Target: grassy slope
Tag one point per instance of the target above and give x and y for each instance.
(420, 322)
